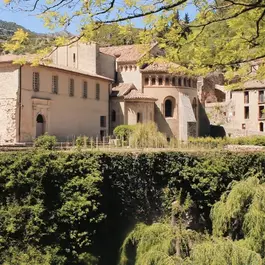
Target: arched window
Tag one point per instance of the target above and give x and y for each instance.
(40, 125)
(168, 108)
(113, 115)
(261, 127)
(173, 81)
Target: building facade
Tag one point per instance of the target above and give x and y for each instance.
(88, 90)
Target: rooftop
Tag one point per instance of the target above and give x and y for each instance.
(162, 67)
(127, 53)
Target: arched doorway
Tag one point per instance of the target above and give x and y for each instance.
(40, 125)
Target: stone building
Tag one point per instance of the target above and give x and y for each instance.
(88, 90)
(60, 100)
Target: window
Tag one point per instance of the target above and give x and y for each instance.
(113, 115)
(97, 91)
(71, 87)
(189, 83)
(160, 81)
(36, 81)
(85, 89)
(139, 117)
(261, 112)
(246, 112)
(168, 108)
(73, 57)
(246, 97)
(146, 81)
(55, 84)
(185, 82)
(243, 126)
(173, 81)
(261, 127)
(179, 81)
(167, 81)
(153, 81)
(194, 107)
(261, 96)
(102, 121)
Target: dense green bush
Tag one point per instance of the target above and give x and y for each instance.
(123, 131)
(220, 142)
(45, 141)
(70, 208)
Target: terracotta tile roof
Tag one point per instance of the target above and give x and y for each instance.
(10, 58)
(163, 67)
(122, 89)
(254, 84)
(135, 94)
(127, 53)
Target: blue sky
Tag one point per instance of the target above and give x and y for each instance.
(35, 24)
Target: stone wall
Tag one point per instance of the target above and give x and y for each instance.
(9, 76)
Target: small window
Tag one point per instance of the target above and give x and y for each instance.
(185, 82)
(189, 82)
(167, 81)
(243, 126)
(246, 97)
(97, 91)
(36, 81)
(153, 81)
(168, 108)
(113, 116)
(261, 96)
(261, 112)
(55, 84)
(71, 87)
(173, 81)
(139, 117)
(179, 81)
(102, 121)
(85, 89)
(74, 58)
(246, 112)
(261, 127)
(146, 81)
(160, 81)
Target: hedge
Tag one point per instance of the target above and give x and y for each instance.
(75, 208)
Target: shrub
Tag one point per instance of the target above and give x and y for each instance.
(46, 142)
(147, 135)
(81, 141)
(124, 131)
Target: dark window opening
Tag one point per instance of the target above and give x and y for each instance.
(173, 81)
(153, 81)
(113, 115)
(40, 119)
(261, 127)
(168, 108)
(85, 89)
(139, 117)
(179, 81)
(146, 81)
(261, 112)
(167, 81)
(74, 57)
(102, 121)
(160, 81)
(102, 134)
(246, 97)
(243, 126)
(185, 82)
(246, 112)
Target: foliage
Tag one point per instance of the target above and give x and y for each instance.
(124, 131)
(81, 141)
(220, 142)
(49, 207)
(147, 135)
(46, 142)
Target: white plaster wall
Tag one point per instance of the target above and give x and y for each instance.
(131, 76)
(9, 79)
(106, 65)
(65, 116)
